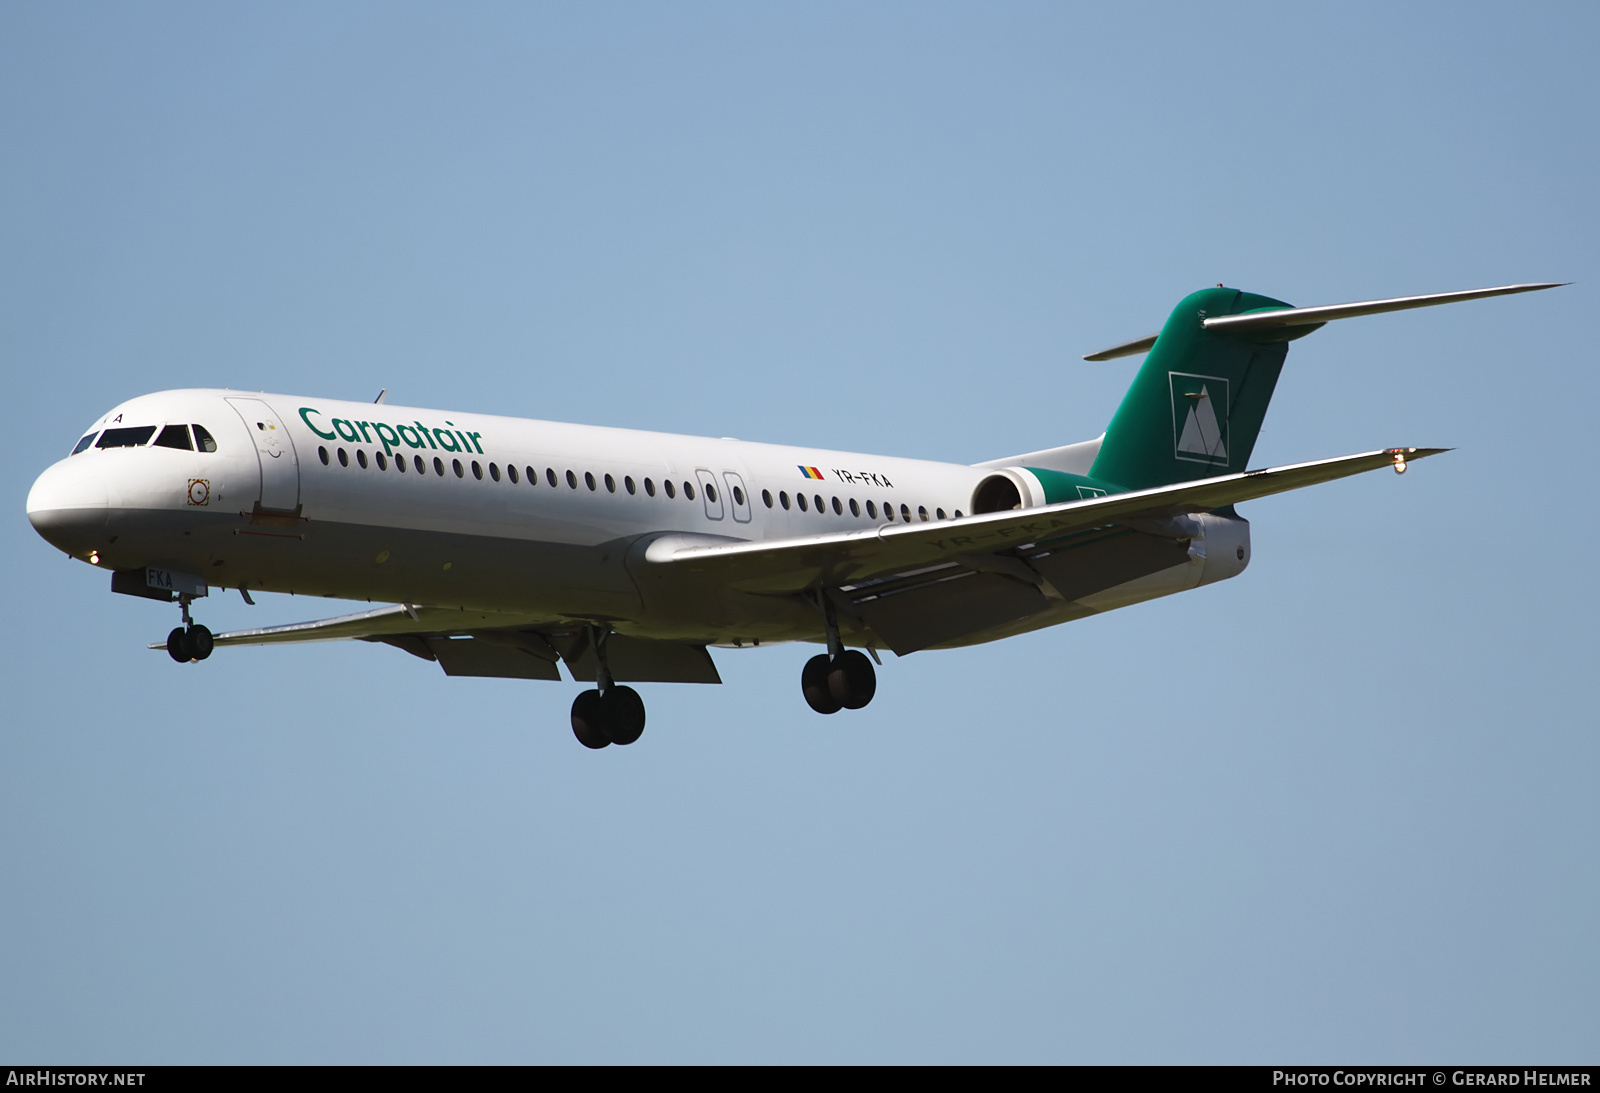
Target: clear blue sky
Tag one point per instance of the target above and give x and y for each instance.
(1342, 808)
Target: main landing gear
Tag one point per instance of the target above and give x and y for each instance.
(840, 679)
(611, 713)
(191, 641)
(843, 682)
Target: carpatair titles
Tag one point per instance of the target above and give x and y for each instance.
(393, 437)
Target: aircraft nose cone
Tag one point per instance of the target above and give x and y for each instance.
(67, 506)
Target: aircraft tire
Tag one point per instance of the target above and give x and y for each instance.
(622, 714)
(199, 641)
(851, 679)
(178, 646)
(586, 723)
(814, 685)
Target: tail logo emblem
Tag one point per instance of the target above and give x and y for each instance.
(1199, 418)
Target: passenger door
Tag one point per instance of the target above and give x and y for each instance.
(280, 469)
(738, 497)
(710, 493)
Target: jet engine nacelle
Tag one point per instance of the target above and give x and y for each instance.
(1008, 488)
(1219, 545)
(1223, 548)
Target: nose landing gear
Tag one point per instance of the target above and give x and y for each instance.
(192, 640)
(611, 713)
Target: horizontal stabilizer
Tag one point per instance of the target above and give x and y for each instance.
(1285, 317)
(1315, 316)
(1126, 349)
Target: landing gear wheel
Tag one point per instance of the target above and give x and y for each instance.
(586, 721)
(191, 643)
(622, 714)
(814, 685)
(851, 680)
(200, 642)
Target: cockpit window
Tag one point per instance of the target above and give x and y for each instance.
(202, 439)
(136, 436)
(174, 436)
(84, 443)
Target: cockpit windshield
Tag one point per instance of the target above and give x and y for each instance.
(175, 436)
(132, 436)
(137, 436)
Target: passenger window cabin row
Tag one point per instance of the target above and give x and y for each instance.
(855, 509)
(670, 489)
(511, 474)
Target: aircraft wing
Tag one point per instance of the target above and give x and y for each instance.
(376, 624)
(486, 643)
(985, 547)
(796, 565)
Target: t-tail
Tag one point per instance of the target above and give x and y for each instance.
(1196, 406)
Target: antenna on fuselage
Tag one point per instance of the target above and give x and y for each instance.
(381, 395)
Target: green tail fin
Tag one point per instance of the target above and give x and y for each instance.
(1197, 403)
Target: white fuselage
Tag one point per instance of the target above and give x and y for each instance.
(528, 518)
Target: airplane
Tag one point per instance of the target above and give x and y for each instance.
(504, 547)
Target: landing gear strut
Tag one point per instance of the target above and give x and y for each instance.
(840, 679)
(191, 641)
(611, 713)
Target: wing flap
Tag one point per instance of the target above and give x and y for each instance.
(639, 660)
(958, 603)
(475, 656)
(1105, 559)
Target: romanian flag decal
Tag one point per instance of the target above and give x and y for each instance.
(811, 472)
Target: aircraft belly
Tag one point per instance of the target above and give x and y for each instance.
(280, 553)
(390, 565)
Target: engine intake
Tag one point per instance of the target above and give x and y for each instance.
(1006, 489)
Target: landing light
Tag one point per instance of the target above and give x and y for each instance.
(94, 557)
(1399, 464)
